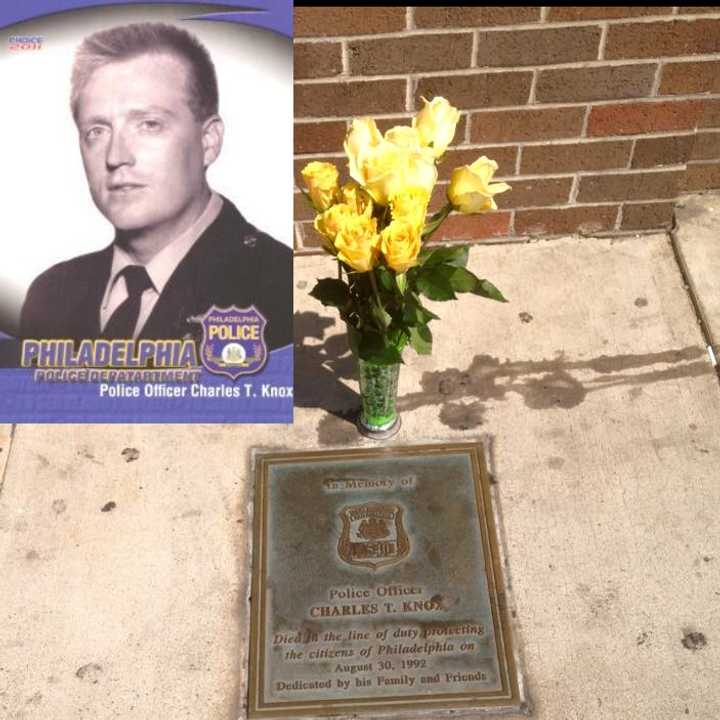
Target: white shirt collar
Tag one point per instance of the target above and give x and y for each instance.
(163, 265)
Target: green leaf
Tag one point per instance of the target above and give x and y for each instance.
(486, 289)
(435, 221)
(385, 278)
(331, 292)
(463, 281)
(401, 282)
(421, 339)
(414, 313)
(435, 284)
(381, 314)
(455, 255)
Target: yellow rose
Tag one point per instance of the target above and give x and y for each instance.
(321, 180)
(358, 199)
(357, 242)
(404, 136)
(362, 136)
(470, 189)
(388, 169)
(400, 244)
(411, 205)
(330, 222)
(436, 124)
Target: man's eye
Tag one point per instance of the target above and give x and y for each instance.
(94, 133)
(150, 125)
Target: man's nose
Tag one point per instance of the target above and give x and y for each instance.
(119, 151)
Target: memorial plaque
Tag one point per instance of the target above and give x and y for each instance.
(377, 586)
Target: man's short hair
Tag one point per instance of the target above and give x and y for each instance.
(128, 41)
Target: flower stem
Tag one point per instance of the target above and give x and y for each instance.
(376, 293)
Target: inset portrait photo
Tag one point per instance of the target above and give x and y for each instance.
(147, 216)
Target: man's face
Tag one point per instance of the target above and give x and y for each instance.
(141, 145)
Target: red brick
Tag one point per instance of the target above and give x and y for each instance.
(533, 125)
(347, 20)
(629, 186)
(505, 157)
(453, 16)
(663, 39)
(557, 14)
(536, 193)
(673, 150)
(537, 47)
(645, 216)
(302, 208)
(710, 115)
(696, 10)
(310, 237)
(556, 221)
(317, 137)
(479, 90)
(702, 176)
(417, 53)
(610, 82)
(644, 117)
(473, 227)
(685, 78)
(438, 197)
(315, 60)
(571, 157)
(349, 98)
(706, 146)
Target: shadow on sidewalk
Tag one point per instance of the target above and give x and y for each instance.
(460, 395)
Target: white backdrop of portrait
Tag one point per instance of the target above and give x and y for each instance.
(47, 213)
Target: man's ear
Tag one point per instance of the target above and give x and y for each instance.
(213, 130)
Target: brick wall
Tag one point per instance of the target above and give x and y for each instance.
(598, 117)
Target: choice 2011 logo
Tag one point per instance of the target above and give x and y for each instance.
(19, 43)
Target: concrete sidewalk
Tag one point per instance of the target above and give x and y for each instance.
(595, 390)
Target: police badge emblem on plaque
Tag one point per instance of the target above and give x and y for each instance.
(233, 341)
(373, 535)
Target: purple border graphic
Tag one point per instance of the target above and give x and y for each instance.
(267, 14)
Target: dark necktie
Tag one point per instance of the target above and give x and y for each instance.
(121, 324)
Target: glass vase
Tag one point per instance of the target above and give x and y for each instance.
(379, 417)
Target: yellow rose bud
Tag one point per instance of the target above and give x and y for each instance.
(330, 222)
(436, 124)
(411, 205)
(400, 244)
(470, 189)
(357, 243)
(321, 180)
(361, 138)
(358, 199)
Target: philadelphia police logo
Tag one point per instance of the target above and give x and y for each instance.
(373, 535)
(233, 341)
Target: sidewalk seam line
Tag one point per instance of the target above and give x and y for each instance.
(689, 286)
(7, 459)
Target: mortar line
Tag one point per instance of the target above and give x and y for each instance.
(692, 293)
(312, 250)
(7, 459)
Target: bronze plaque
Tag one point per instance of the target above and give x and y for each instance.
(377, 586)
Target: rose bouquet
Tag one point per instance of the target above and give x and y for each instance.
(377, 228)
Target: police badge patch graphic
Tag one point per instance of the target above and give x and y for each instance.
(373, 535)
(233, 341)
